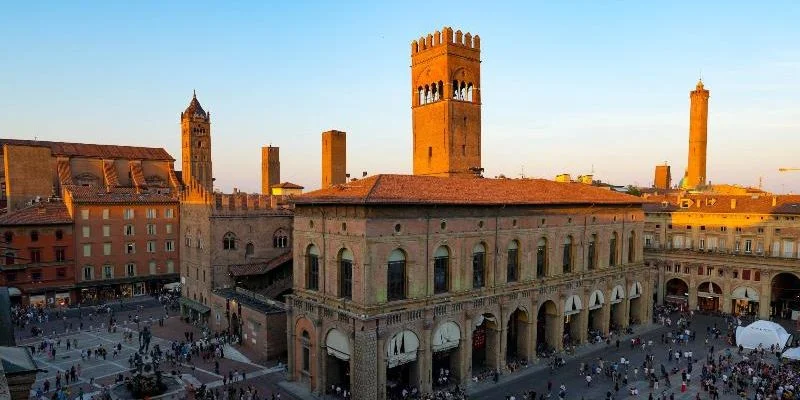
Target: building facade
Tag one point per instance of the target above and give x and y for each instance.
(731, 253)
(126, 242)
(38, 255)
(396, 277)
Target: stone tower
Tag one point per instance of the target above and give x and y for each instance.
(698, 137)
(270, 169)
(663, 177)
(196, 145)
(446, 103)
(334, 158)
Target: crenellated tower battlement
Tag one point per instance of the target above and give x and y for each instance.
(446, 37)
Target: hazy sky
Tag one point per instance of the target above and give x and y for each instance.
(567, 86)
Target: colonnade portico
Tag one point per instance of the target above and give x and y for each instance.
(412, 348)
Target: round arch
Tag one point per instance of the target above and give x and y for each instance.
(402, 348)
(547, 329)
(338, 344)
(784, 294)
(617, 294)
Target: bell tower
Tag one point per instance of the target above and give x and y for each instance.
(196, 144)
(446, 103)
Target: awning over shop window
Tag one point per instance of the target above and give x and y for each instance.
(573, 305)
(12, 291)
(338, 345)
(745, 293)
(636, 290)
(199, 307)
(446, 337)
(617, 294)
(596, 300)
(402, 348)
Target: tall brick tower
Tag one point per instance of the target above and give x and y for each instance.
(196, 144)
(334, 158)
(698, 136)
(270, 169)
(446, 103)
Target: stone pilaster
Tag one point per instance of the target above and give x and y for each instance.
(366, 382)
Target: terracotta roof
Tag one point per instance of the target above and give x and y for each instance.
(99, 194)
(288, 185)
(261, 267)
(413, 189)
(42, 213)
(723, 204)
(95, 150)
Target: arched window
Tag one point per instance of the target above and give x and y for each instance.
(34, 236)
(478, 266)
(632, 247)
(566, 258)
(10, 258)
(396, 275)
(229, 241)
(512, 267)
(306, 340)
(346, 274)
(456, 91)
(612, 250)
(428, 94)
(592, 256)
(8, 236)
(469, 91)
(249, 249)
(541, 258)
(280, 239)
(463, 91)
(421, 94)
(441, 270)
(435, 92)
(312, 268)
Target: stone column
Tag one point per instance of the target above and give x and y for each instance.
(726, 294)
(291, 342)
(532, 337)
(583, 333)
(319, 370)
(381, 363)
(765, 296)
(557, 331)
(493, 356)
(465, 352)
(366, 383)
(605, 317)
(692, 288)
(425, 359)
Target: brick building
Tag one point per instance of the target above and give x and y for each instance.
(38, 254)
(235, 248)
(731, 253)
(126, 242)
(397, 276)
(121, 201)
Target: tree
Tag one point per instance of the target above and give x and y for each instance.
(633, 190)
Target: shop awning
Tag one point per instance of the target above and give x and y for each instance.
(617, 294)
(446, 337)
(402, 348)
(573, 305)
(194, 305)
(635, 291)
(745, 293)
(12, 291)
(596, 300)
(338, 345)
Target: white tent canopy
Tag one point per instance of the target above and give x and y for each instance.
(596, 300)
(764, 333)
(792, 354)
(572, 305)
(617, 294)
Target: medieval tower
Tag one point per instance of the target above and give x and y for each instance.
(446, 103)
(698, 137)
(270, 168)
(334, 158)
(196, 145)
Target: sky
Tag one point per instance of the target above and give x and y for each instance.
(567, 87)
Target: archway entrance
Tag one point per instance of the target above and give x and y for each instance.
(402, 370)
(445, 341)
(617, 308)
(677, 293)
(745, 301)
(517, 336)
(708, 297)
(572, 320)
(546, 329)
(484, 338)
(235, 327)
(785, 295)
(596, 324)
(636, 305)
(337, 360)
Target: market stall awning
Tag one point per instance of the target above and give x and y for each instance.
(194, 305)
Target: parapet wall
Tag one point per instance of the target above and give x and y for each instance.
(446, 37)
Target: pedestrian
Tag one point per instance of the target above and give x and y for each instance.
(588, 380)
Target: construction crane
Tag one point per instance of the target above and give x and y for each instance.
(788, 169)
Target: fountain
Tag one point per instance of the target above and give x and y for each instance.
(147, 380)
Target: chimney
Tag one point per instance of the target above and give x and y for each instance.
(733, 204)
